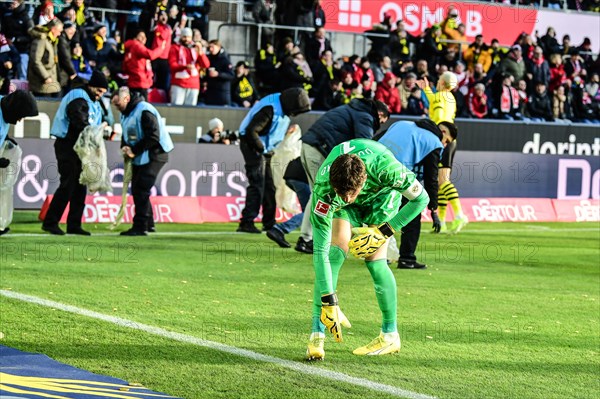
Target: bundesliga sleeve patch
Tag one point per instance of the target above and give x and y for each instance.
(322, 209)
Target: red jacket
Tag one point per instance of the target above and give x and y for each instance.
(478, 105)
(179, 58)
(388, 95)
(163, 33)
(137, 64)
(557, 77)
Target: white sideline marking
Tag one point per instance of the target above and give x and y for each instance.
(296, 366)
(212, 233)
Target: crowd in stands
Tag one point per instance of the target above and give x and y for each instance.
(162, 53)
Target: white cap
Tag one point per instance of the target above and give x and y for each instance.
(187, 32)
(215, 122)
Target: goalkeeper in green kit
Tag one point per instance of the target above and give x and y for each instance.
(360, 183)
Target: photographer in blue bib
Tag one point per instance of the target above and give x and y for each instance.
(77, 110)
(146, 141)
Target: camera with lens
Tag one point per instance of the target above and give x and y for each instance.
(231, 135)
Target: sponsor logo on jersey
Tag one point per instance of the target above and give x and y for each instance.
(322, 209)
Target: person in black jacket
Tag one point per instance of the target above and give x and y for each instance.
(263, 128)
(243, 91)
(15, 25)
(66, 71)
(148, 149)
(412, 145)
(358, 119)
(540, 105)
(220, 75)
(316, 46)
(75, 112)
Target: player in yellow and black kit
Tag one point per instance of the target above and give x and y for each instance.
(442, 110)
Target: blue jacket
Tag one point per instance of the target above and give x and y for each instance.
(60, 125)
(133, 132)
(279, 124)
(409, 143)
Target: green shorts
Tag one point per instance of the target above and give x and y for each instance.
(382, 209)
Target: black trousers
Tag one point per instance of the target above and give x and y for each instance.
(69, 191)
(410, 237)
(162, 73)
(261, 188)
(142, 180)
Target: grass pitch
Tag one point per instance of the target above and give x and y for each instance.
(503, 311)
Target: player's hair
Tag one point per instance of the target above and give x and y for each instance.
(383, 108)
(451, 128)
(347, 174)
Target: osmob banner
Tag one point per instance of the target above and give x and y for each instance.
(491, 20)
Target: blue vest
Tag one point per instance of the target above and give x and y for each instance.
(133, 133)
(60, 125)
(279, 125)
(409, 143)
(3, 127)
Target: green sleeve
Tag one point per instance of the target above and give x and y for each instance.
(409, 211)
(322, 228)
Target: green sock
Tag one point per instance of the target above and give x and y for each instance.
(385, 291)
(336, 258)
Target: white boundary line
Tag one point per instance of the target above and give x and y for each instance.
(528, 229)
(296, 366)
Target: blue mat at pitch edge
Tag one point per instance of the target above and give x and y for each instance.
(33, 376)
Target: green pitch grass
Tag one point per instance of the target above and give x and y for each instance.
(504, 311)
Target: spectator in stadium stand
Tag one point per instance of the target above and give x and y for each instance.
(380, 39)
(388, 94)
(110, 17)
(560, 105)
(316, 46)
(565, 48)
(477, 53)
(497, 53)
(581, 103)
(136, 64)
(592, 87)
(294, 74)
(266, 66)
(160, 66)
(538, 70)
(430, 48)
(287, 49)
(329, 96)
(97, 49)
(15, 25)
(400, 41)
(319, 17)
(557, 72)
(219, 76)
(364, 75)
(506, 99)
(540, 105)
(263, 128)
(198, 10)
(77, 110)
(457, 34)
(478, 102)
(42, 72)
(549, 43)
(243, 91)
(523, 100)
(592, 5)
(83, 16)
(381, 68)
(186, 60)
(9, 62)
(66, 71)
(415, 106)
(449, 58)
(513, 64)
(405, 89)
(462, 109)
(574, 67)
(177, 21)
(585, 52)
(44, 13)
(323, 72)
(79, 63)
(422, 71)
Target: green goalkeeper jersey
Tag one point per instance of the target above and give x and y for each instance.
(387, 180)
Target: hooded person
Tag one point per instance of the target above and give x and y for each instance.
(360, 118)
(13, 108)
(262, 129)
(77, 110)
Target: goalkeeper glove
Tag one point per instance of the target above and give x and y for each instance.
(332, 316)
(437, 224)
(367, 240)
